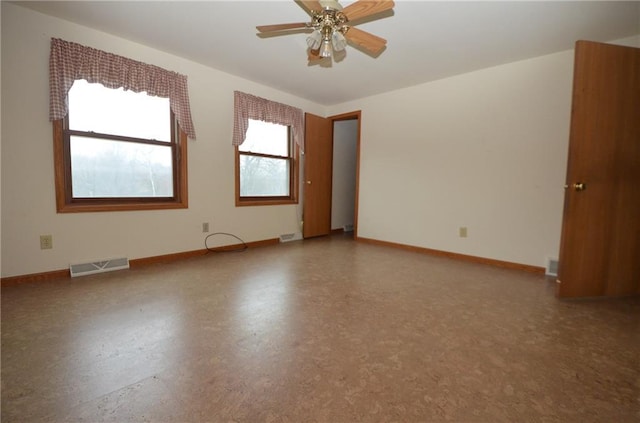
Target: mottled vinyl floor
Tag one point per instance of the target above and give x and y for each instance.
(323, 330)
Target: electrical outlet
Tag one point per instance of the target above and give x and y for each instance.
(462, 231)
(205, 227)
(46, 242)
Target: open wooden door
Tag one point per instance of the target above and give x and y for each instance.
(318, 157)
(600, 246)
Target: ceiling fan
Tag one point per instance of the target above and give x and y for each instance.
(332, 27)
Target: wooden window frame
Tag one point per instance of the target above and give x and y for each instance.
(65, 203)
(292, 198)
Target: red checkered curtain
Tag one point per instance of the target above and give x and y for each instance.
(247, 106)
(69, 62)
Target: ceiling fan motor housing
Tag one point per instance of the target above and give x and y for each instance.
(328, 21)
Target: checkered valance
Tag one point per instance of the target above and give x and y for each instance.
(247, 106)
(69, 62)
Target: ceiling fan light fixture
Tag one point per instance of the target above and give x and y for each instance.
(325, 49)
(338, 40)
(314, 40)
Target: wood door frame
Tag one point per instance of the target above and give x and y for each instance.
(355, 115)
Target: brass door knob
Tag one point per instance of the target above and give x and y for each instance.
(308, 182)
(579, 186)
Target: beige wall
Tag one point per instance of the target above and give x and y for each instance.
(28, 202)
(485, 150)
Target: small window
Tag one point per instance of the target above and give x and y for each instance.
(266, 165)
(118, 150)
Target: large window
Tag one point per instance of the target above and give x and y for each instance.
(118, 150)
(266, 165)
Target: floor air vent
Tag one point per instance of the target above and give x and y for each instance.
(290, 237)
(101, 266)
(552, 267)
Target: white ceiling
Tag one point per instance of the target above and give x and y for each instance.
(426, 40)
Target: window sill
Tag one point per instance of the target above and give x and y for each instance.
(87, 208)
(270, 202)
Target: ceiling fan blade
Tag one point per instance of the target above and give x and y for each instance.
(282, 27)
(366, 40)
(363, 8)
(311, 5)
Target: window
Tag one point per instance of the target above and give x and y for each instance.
(118, 150)
(121, 147)
(266, 165)
(268, 137)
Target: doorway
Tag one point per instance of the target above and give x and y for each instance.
(318, 185)
(344, 175)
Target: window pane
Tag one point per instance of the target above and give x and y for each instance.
(104, 168)
(266, 138)
(263, 177)
(117, 112)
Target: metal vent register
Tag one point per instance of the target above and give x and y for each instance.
(552, 267)
(81, 269)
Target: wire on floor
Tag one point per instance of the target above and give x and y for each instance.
(222, 249)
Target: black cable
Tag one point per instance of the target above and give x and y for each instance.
(221, 249)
